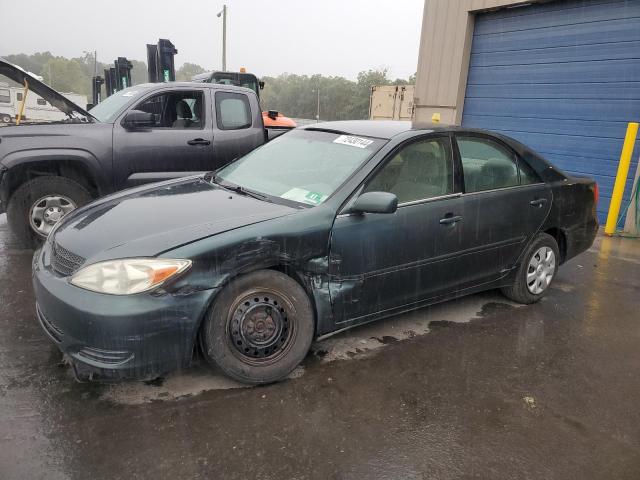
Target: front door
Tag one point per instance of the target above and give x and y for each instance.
(180, 142)
(379, 262)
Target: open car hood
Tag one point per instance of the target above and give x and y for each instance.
(17, 74)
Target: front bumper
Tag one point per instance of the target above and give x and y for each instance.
(110, 337)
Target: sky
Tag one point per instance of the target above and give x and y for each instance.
(331, 37)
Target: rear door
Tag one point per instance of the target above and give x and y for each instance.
(385, 261)
(180, 142)
(505, 203)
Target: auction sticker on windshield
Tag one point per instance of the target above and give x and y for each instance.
(353, 141)
(304, 196)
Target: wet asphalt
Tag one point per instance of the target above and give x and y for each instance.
(475, 388)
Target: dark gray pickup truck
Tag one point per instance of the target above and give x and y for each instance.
(138, 135)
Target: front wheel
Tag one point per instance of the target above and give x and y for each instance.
(37, 205)
(536, 272)
(259, 328)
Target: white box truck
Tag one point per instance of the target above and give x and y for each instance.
(391, 102)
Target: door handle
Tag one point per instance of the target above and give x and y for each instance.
(538, 202)
(199, 141)
(452, 220)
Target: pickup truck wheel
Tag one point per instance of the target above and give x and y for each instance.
(6, 119)
(259, 328)
(37, 205)
(536, 272)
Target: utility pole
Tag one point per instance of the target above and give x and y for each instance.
(317, 92)
(223, 13)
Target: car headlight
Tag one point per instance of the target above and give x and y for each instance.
(128, 276)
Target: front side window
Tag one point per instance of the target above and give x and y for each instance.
(302, 166)
(19, 96)
(233, 111)
(177, 110)
(486, 165)
(421, 170)
(5, 96)
(41, 101)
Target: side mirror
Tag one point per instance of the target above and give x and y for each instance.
(375, 202)
(135, 119)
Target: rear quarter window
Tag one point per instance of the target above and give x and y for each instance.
(233, 111)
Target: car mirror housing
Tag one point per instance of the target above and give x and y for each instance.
(135, 119)
(375, 202)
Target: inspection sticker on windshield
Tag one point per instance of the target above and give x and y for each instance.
(304, 196)
(353, 141)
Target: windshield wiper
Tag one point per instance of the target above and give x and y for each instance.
(239, 189)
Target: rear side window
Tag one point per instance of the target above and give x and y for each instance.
(232, 111)
(4, 96)
(486, 165)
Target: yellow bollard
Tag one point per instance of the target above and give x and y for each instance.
(621, 178)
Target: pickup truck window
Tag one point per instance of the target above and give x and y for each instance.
(302, 166)
(4, 96)
(178, 110)
(233, 111)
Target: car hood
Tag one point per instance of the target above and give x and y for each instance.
(17, 74)
(150, 220)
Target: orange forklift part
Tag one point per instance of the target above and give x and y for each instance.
(273, 118)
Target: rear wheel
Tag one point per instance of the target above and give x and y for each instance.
(37, 205)
(259, 328)
(5, 118)
(536, 272)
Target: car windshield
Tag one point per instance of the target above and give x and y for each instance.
(107, 110)
(304, 166)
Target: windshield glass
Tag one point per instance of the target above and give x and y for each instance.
(303, 165)
(107, 110)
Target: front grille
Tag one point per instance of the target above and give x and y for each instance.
(110, 357)
(53, 331)
(64, 262)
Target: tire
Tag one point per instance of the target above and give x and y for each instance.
(530, 289)
(259, 328)
(28, 195)
(6, 119)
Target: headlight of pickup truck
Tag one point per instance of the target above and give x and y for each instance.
(128, 276)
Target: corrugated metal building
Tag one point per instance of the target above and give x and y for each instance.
(561, 76)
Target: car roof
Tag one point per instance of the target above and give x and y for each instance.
(386, 129)
(192, 85)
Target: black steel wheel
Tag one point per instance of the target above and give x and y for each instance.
(259, 328)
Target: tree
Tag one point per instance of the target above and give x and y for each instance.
(66, 75)
(186, 72)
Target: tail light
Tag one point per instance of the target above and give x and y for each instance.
(596, 193)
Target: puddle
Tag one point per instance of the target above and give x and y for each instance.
(358, 343)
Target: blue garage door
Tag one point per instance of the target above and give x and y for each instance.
(563, 78)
